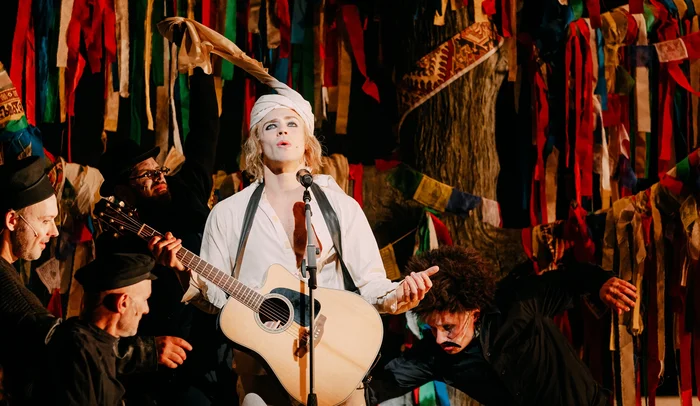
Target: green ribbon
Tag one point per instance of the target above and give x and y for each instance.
(184, 104)
(157, 70)
(229, 33)
(405, 179)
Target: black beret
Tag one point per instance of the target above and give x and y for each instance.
(24, 183)
(114, 271)
(117, 162)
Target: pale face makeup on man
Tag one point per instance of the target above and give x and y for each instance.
(283, 140)
(148, 179)
(32, 228)
(453, 331)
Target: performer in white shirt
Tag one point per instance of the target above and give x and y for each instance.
(281, 143)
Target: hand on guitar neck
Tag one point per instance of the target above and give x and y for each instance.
(165, 250)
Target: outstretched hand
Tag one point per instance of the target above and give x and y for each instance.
(414, 287)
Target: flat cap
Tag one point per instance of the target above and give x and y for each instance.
(24, 183)
(114, 271)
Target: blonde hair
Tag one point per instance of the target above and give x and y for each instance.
(252, 156)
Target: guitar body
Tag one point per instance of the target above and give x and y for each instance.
(348, 334)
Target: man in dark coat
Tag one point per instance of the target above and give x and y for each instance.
(499, 344)
(28, 209)
(28, 206)
(81, 369)
(177, 203)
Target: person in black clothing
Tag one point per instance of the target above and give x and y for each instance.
(498, 343)
(177, 204)
(28, 207)
(81, 369)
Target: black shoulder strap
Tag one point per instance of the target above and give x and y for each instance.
(328, 214)
(334, 229)
(247, 224)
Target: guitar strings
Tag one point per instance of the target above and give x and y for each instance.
(274, 313)
(272, 310)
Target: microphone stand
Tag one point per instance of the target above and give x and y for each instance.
(309, 264)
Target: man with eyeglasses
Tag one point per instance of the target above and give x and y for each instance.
(28, 207)
(176, 203)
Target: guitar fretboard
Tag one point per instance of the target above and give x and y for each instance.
(227, 283)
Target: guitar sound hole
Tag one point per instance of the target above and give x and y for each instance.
(274, 313)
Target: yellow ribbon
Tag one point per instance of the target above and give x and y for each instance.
(274, 38)
(344, 81)
(659, 246)
(440, 19)
(389, 260)
(111, 116)
(432, 193)
(121, 9)
(147, 57)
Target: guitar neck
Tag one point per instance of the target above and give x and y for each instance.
(225, 282)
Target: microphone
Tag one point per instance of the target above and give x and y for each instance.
(304, 177)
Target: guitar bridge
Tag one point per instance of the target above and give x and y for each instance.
(303, 346)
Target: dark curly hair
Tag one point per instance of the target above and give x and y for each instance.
(464, 282)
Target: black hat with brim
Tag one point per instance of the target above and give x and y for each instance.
(24, 183)
(117, 162)
(114, 271)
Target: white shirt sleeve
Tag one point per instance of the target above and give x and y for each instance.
(217, 238)
(362, 258)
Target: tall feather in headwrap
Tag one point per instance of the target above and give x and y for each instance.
(198, 42)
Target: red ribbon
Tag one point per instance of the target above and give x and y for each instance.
(505, 18)
(330, 59)
(593, 7)
(637, 6)
(583, 108)
(206, 13)
(613, 115)
(54, 307)
(576, 230)
(19, 53)
(351, 17)
(384, 165)
(667, 30)
(30, 77)
(489, 7)
(356, 173)
(686, 377)
(285, 28)
(540, 124)
(441, 231)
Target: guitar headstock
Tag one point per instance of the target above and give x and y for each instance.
(116, 216)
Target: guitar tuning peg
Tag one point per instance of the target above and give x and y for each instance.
(116, 235)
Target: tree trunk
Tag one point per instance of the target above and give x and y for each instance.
(451, 138)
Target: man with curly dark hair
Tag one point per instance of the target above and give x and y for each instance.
(497, 342)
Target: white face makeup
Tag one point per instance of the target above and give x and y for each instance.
(282, 138)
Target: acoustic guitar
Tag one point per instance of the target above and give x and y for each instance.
(273, 321)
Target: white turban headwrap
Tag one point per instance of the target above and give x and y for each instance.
(285, 97)
(198, 41)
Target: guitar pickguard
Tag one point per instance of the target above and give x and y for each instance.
(300, 304)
